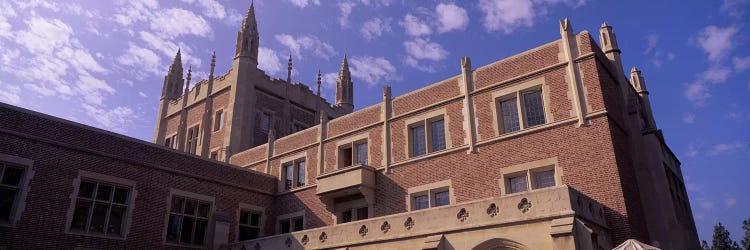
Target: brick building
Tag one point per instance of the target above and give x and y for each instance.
(552, 148)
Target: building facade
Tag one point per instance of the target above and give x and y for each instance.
(224, 115)
(552, 148)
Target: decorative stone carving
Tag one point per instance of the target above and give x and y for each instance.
(492, 210)
(524, 205)
(323, 237)
(288, 242)
(363, 231)
(462, 215)
(409, 223)
(305, 239)
(385, 227)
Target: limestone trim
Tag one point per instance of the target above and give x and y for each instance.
(209, 232)
(288, 216)
(292, 159)
(19, 204)
(351, 142)
(424, 120)
(429, 190)
(97, 177)
(528, 169)
(251, 208)
(517, 91)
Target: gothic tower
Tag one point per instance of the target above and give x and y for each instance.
(173, 81)
(248, 38)
(345, 87)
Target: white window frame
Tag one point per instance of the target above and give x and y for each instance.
(517, 91)
(128, 217)
(188, 141)
(173, 140)
(430, 190)
(253, 209)
(19, 203)
(209, 231)
(529, 169)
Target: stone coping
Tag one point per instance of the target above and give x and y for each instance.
(538, 205)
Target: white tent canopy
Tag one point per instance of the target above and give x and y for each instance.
(632, 244)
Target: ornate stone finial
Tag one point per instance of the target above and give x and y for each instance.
(189, 76)
(637, 80)
(289, 70)
(213, 64)
(319, 82)
(466, 63)
(565, 26)
(605, 25)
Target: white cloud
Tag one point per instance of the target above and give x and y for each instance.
(168, 48)
(171, 23)
(299, 44)
(507, 15)
(142, 58)
(725, 148)
(91, 89)
(698, 91)
(346, 11)
(688, 117)
(741, 63)
(651, 41)
(211, 8)
(716, 74)
(419, 48)
(135, 11)
(5, 27)
(708, 205)
(451, 17)
(716, 41)
(414, 26)
(44, 35)
(373, 70)
(304, 3)
(730, 202)
(118, 119)
(375, 28)
(269, 61)
(738, 115)
(692, 151)
(80, 59)
(10, 94)
(734, 8)
(142, 94)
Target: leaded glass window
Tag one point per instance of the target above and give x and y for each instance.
(533, 108)
(300, 173)
(100, 208)
(543, 179)
(437, 135)
(442, 198)
(509, 115)
(10, 186)
(418, 141)
(249, 225)
(288, 176)
(361, 156)
(188, 221)
(421, 202)
(518, 184)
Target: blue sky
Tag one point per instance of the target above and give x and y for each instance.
(102, 63)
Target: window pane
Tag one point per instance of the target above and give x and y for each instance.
(361, 157)
(177, 203)
(186, 233)
(190, 206)
(204, 209)
(244, 217)
(438, 135)
(362, 213)
(285, 227)
(104, 192)
(298, 224)
(86, 189)
(509, 115)
(518, 184)
(421, 202)
(12, 176)
(533, 108)
(300, 173)
(288, 176)
(116, 216)
(80, 215)
(442, 199)
(346, 157)
(265, 122)
(201, 227)
(544, 179)
(7, 196)
(255, 219)
(173, 229)
(121, 195)
(98, 217)
(418, 141)
(217, 120)
(346, 216)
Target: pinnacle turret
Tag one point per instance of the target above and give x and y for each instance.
(248, 38)
(345, 87)
(289, 70)
(173, 81)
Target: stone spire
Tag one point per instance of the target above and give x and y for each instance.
(608, 41)
(173, 81)
(639, 84)
(213, 63)
(248, 38)
(319, 81)
(189, 76)
(289, 70)
(345, 87)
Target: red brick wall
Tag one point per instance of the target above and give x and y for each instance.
(300, 139)
(421, 98)
(354, 121)
(517, 65)
(220, 101)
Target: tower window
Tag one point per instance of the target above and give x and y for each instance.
(521, 110)
(192, 139)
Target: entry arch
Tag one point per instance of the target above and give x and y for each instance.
(500, 244)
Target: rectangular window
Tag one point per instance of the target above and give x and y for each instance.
(291, 225)
(346, 156)
(418, 141)
(218, 120)
(437, 134)
(509, 115)
(533, 108)
(293, 173)
(249, 225)
(10, 187)
(168, 142)
(442, 198)
(518, 184)
(188, 221)
(346, 216)
(100, 208)
(265, 122)
(421, 202)
(192, 139)
(174, 142)
(361, 156)
(214, 155)
(300, 173)
(543, 179)
(288, 176)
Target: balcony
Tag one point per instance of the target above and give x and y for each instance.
(350, 181)
(539, 219)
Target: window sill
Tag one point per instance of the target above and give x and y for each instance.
(529, 191)
(96, 235)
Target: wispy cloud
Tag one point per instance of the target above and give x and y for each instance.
(269, 60)
(726, 148)
(716, 41)
(375, 28)
(688, 117)
(420, 51)
(451, 17)
(304, 3)
(373, 70)
(414, 26)
(509, 15)
(741, 63)
(299, 44)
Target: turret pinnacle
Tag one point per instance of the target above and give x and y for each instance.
(344, 86)
(176, 63)
(248, 38)
(319, 82)
(173, 81)
(289, 70)
(189, 76)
